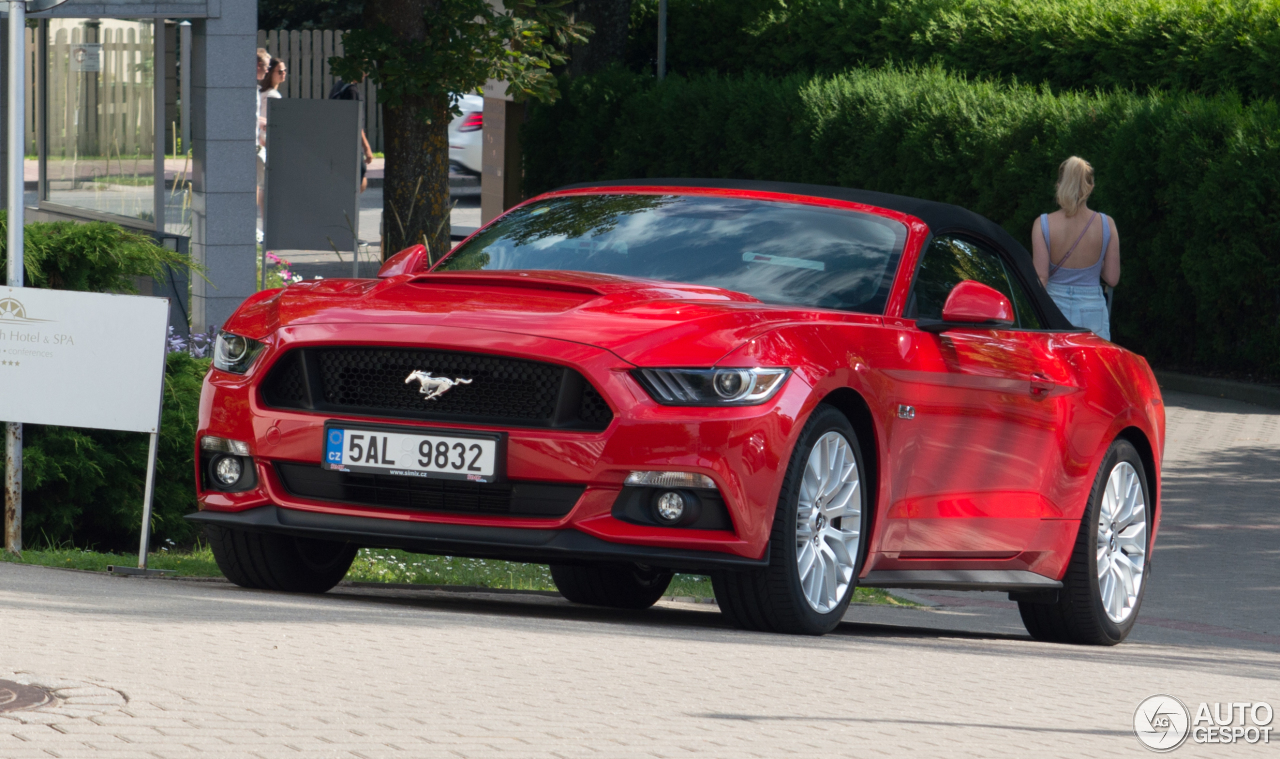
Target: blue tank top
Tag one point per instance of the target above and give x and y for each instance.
(1089, 276)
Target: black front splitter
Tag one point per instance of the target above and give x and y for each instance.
(535, 546)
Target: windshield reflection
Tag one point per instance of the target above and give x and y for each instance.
(782, 253)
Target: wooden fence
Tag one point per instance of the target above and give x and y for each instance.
(306, 54)
(107, 112)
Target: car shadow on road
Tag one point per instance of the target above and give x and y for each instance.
(665, 616)
(706, 624)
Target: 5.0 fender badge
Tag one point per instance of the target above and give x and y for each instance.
(433, 387)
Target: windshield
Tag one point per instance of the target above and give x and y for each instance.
(783, 253)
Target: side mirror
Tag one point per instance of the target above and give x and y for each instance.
(411, 260)
(971, 304)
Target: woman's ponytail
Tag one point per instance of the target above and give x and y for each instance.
(1075, 182)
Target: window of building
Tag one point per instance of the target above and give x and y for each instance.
(99, 100)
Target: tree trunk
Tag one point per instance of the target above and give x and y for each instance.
(415, 187)
(608, 44)
(415, 190)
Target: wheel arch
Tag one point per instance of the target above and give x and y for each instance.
(855, 408)
(1146, 452)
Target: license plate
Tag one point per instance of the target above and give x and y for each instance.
(443, 454)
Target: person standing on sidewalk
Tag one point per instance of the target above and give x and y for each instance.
(260, 127)
(1075, 249)
(268, 90)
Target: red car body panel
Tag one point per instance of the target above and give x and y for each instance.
(992, 473)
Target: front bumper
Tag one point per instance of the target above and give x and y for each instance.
(743, 449)
(537, 546)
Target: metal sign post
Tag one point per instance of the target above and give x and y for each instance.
(15, 131)
(148, 493)
(16, 150)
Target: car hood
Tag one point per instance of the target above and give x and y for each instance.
(645, 322)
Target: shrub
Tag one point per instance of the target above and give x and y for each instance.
(90, 257)
(84, 486)
(1192, 182)
(1208, 46)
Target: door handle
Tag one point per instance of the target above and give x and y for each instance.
(1041, 385)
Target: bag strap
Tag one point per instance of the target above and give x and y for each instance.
(1054, 267)
(1106, 237)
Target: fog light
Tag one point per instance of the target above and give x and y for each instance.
(227, 470)
(670, 506)
(676, 508)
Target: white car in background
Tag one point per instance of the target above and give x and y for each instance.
(465, 133)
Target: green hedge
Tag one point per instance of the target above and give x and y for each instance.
(1193, 183)
(83, 486)
(1207, 46)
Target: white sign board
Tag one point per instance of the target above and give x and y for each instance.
(82, 359)
(86, 57)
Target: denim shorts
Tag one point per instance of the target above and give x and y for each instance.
(1085, 307)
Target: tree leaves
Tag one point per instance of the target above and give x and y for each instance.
(466, 43)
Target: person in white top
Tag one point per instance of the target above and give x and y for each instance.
(268, 90)
(260, 121)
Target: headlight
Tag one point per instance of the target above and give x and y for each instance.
(233, 353)
(711, 387)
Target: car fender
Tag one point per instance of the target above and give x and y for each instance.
(1119, 392)
(831, 358)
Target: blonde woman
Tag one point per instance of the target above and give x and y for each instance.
(1075, 249)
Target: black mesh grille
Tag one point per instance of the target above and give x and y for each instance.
(288, 386)
(593, 410)
(502, 387)
(372, 381)
(521, 499)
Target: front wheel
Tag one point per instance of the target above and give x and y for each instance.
(816, 548)
(617, 586)
(1106, 579)
(267, 561)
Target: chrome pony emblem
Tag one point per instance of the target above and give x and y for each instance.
(433, 387)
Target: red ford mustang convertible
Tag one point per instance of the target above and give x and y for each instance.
(793, 389)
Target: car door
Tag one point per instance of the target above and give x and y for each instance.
(977, 424)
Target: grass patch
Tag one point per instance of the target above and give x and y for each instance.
(384, 565)
(198, 563)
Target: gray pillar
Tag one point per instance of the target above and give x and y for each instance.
(501, 168)
(224, 173)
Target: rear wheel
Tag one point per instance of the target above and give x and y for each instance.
(617, 586)
(816, 548)
(1103, 588)
(279, 562)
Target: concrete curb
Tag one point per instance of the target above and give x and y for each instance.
(1248, 392)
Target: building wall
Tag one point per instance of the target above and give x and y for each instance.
(224, 169)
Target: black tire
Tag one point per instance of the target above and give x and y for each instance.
(1078, 616)
(771, 599)
(279, 562)
(617, 586)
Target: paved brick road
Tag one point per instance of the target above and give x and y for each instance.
(205, 669)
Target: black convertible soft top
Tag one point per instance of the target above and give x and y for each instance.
(940, 217)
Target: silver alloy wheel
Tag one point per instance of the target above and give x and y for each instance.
(828, 522)
(1122, 542)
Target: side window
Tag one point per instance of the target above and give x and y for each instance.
(1027, 316)
(950, 260)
